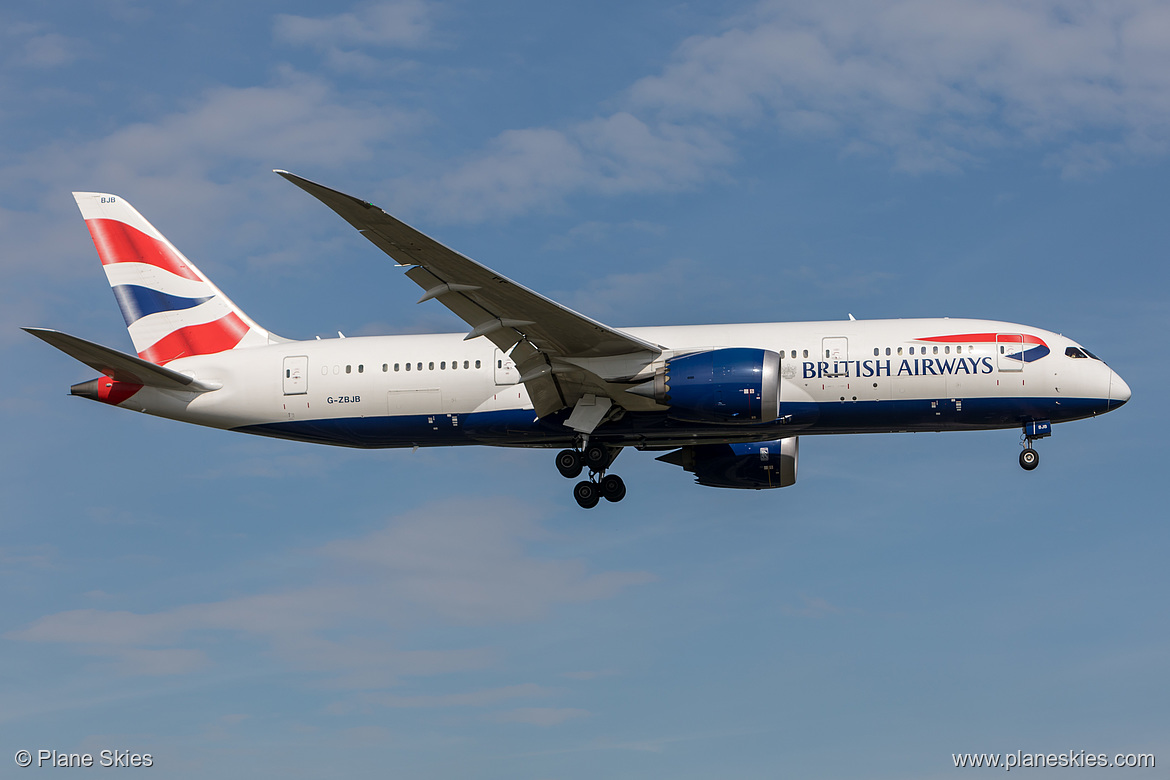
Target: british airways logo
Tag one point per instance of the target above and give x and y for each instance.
(1015, 346)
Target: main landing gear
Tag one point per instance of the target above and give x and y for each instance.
(1029, 458)
(597, 458)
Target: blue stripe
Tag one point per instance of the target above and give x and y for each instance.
(138, 302)
(519, 428)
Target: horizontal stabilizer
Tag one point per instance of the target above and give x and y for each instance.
(120, 366)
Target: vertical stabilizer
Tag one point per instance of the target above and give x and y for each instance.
(171, 309)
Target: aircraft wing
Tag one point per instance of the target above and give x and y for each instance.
(548, 338)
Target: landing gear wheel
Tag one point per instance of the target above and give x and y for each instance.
(596, 457)
(1029, 459)
(569, 464)
(613, 488)
(587, 494)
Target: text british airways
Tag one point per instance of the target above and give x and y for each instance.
(916, 367)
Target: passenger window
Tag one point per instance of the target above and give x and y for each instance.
(431, 366)
(875, 351)
(477, 364)
(900, 350)
(806, 353)
(408, 366)
(959, 350)
(385, 367)
(454, 364)
(946, 349)
(887, 350)
(936, 350)
(361, 368)
(396, 366)
(287, 373)
(443, 366)
(349, 369)
(794, 353)
(419, 366)
(465, 364)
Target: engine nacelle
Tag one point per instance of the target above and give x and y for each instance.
(757, 466)
(735, 385)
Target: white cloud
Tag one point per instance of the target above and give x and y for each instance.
(537, 716)
(457, 562)
(478, 698)
(468, 564)
(402, 23)
(933, 83)
(50, 50)
(812, 606)
(205, 164)
(537, 168)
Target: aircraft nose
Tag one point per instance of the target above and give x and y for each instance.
(1118, 390)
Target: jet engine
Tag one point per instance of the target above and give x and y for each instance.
(734, 385)
(756, 466)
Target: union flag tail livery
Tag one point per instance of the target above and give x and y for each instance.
(171, 309)
(728, 401)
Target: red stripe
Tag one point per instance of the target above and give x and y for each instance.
(963, 338)
(118, 242)
(205, 339)
(113, 392)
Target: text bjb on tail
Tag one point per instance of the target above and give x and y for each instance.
(171, 309)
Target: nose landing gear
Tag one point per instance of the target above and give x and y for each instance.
(1038, 429)
(597, 457)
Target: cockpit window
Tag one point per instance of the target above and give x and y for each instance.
(1080, 352)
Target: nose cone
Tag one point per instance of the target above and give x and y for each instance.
(1118, 390)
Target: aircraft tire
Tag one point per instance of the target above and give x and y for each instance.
(1029, 459)
(569, 464)
(613, 488)
(587, 494)
(596, 457)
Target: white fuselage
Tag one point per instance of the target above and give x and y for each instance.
(837, 377)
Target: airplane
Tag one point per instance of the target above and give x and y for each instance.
(726, 403)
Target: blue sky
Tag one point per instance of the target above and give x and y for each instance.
(237, 606)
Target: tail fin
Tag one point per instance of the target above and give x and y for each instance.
(171, 309)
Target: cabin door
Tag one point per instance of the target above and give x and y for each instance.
(296, 375)
(1009, 350)
(505, 369)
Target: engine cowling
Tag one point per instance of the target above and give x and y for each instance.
(734, 385)
(756, 466)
